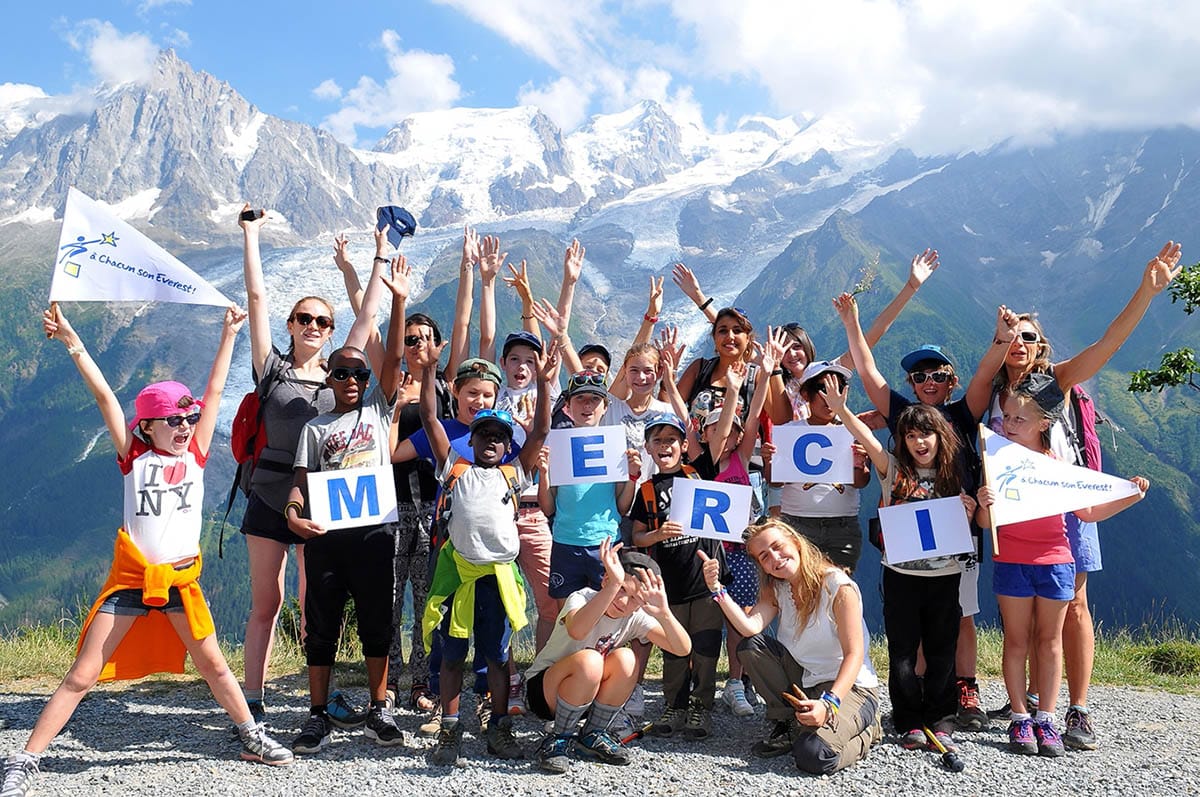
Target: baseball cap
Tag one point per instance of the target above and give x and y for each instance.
(1044, 390)
(813, 370)
(664, 419)
(497, 417)
(522, 338)
(583, 382)
(161, 400)
(926, 352)
(597, 348)
(478, 368)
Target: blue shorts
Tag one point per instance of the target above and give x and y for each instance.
(491, 629)
(744, 588)
(573, 567)
(1052, 582)
(128, 602)
(1085, 544)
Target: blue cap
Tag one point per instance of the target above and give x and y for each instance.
(398, 221)
(664, 419)
(498, 417)
(521, 338)
(926, 352)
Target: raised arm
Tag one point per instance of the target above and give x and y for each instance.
(541, 410)
(683, 277)
(1161, 269)
(354, 291)
(619, 386)
(217, 376)
(364, 320)
(735, 377)
(256, 292)
(746, 623)
(921, 269)
(439, 443)
(556, 327)
(771, 357)
(490, 262)
(979, 391)
(460, 344)
(399, 285)
(837, 404)
(56, 326)
(874, 385)
(572, 269)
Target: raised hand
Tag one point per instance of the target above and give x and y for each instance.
(711, 570)
(655, 303)
(1163, 267)
(922, 268)
(735, 377)
(550, 360)
(683, 277)
(573, 262)
(381, 241)
(339, 253)
(776, 348)
(519, 281)
(235, 317)
(470, 248)
(653, 593)
(610, 557)
(835, 393)
(490, 258)
(847, 308)
(254, 224)
(56, 326)
(400, 282)
(670, 347)
(548, 316)
(1006, 324)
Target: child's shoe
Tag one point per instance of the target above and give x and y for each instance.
(258, 746)
(314, 735)
(20, 770)
(431, 726)
(734, 696)
(970, 717)
(1049, 743)
(672, 719)
(947, 742)
(914, 740)
(343, 713)
(516, 695)
(1080, 735)
(552, 753)
(779, 740)
(448, 751)
(500, 740)
(698, 724)
(603, 747)
(483, 711)
(1021, 738)
(381, 727)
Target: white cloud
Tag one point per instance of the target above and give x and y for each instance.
(420, 81)
(114, 57)
(564, 101)
(327, 89)
(150, 5)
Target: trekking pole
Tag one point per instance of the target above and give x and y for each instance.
(950, 760)
(638, 734)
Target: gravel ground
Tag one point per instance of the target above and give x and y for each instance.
(157, 738)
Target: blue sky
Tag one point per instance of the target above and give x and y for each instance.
(937, 74)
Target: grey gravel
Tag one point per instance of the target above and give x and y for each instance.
(158, 738)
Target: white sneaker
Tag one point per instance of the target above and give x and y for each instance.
(635, 706)
(735, 697)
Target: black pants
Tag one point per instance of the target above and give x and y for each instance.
(921, 611)
(342, 564)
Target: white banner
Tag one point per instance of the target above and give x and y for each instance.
(711, 509)
(102, 259)
(818, 454)
(925, 529)
(1030, 485)
(346, 499)
(587, 455)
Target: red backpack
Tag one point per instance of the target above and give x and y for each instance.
(247, 439)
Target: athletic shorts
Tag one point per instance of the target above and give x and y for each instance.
(128, 603)
(535, 697)
(1051, 582)
(260, 520)
(1085, 544)
(573, 567)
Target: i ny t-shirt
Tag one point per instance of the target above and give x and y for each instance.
(164, 497)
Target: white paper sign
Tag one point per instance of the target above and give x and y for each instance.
(102, 259)
(1030, 485)
(587, 455)
(711, 509)
(346, 499)
(925, 529)
(817, 454)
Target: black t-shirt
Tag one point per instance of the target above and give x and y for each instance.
(682, 569)
(415, 479)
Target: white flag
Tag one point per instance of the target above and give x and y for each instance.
(102, 259)
(1030, 485)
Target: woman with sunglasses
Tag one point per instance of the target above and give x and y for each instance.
(1029, 352)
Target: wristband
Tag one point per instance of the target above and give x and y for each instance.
(634, 476)
(653, 319)
(526, 317)
(832, 699)
(290, 504)
(76, 350)
(704, 306)
(998, 342)
(379, 259)
(914, 287)
(777, 372)
(719, 595)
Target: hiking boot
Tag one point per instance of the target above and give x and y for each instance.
(672, 719)
(698, 724)
(602, 746)
(635, 706)
(970, 717)
(1049, 743)
(914, 740)
(552, 753)
(734, 696)
(516, 695)
(483, 711)
(1021, 738)
(343, 713)
(431, 726)
(258, 746)
(381, 727)
(19, 773)
(778, 742)
(500, 740)
(752, 695)
(314, 735)
(448, 751)
(1080, 735)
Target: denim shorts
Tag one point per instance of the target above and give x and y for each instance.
(491, 629)
(128, 602)
(1085, 544)
(1052, 582)
(573, 567)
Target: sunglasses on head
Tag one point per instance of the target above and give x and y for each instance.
(361, 375)
(919, 377)
(175, 421)
(587, 378)
(304, 319)
(413, 340)
(1029, 336)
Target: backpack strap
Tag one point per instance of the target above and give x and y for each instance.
(650, 502)
(271, 380)
(513, 495)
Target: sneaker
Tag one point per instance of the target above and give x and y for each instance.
(516, 695)
(381, 727)
(1004, 713)
(19, 774)
(313, 736)
(602, 746)
(343, 713)
(698, 724)
(734, 696)
(552, 753)
(483, 710)
(672, 719)
(1049, 743)
(778, 742)
(500, 740)
(946, 740)
(258, 746)
(258, 712)
(431, 726)
(752, 695)
(1021, 738)
(635, 706)
(970, 717)
(1080, 735)
(448, 751)
(914, 740)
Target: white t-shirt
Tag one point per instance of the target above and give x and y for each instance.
(608, 634)
(357, 438)
(929, 566)
(816, 647)
(482, 526)
(164, 498)
(619, 412)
